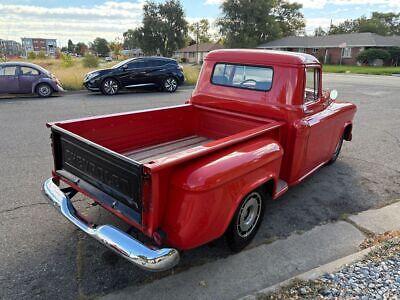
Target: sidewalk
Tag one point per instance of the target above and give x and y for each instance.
(267, 265)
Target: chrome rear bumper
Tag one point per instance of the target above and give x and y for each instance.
(115, 239)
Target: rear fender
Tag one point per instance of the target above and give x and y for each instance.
(45, 80)
(206, 193)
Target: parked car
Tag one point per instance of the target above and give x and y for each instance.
(257, 123)
(159, 72)
(27, 78)
(108, 59)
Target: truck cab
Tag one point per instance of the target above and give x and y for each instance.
(257, 123)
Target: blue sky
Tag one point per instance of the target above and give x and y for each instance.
(110, 18)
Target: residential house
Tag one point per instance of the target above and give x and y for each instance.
(196, 53)
(36, 45)
(132, 52)
(334, 49)
(10, 48)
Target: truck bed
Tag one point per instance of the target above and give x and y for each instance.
(154, 152)
(109, 154)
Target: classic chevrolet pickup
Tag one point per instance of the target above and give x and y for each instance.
(257, 123)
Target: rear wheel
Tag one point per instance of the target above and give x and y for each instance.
(170, 84)
(246, 221)
(338, 148)
(109, 87)
(44, 90)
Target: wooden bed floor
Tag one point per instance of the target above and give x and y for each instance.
(147, 154)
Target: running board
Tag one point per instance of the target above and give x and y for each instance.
(281, 188)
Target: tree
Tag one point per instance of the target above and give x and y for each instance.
(116, 48)
(394, 55)
(379, 23)
(290, 19)
(100, 46)
(164, 28)
(369, 55)
(81, 48)
(131, 39)
(248, 23)
(319, 31)
(71, 47)
(200, 31)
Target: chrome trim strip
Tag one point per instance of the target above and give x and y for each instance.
(137, 85)
(113, 238)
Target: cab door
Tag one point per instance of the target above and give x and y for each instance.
(319, 119)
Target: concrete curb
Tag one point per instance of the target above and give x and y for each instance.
(315, 273)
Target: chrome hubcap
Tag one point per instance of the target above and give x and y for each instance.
(110, 87)
(44, 90)
(249, 214)
(170, 84)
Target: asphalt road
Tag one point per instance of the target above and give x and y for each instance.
(43, 256)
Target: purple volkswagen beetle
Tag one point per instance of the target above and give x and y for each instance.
(26, 78)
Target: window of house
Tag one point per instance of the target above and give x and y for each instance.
(301, 50)
(314, 50)
(243, 76)
(311, 91)
(346, 52)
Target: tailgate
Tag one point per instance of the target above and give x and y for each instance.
(88, 164)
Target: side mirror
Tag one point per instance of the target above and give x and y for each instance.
(333, 94)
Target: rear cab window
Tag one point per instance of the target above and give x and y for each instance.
(243, 76)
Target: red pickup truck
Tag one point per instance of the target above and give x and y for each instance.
(257, 123)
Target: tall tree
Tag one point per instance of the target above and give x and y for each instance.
(164, 28)
(319, 31)
(81, 48)
(379, 23)
(100, 46)
(71, 47)
(116, 48)
(289, 17)
(131, 39)
(200, 31)
(247, 23)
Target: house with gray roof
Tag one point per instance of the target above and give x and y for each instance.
(334, 49)
(196, 53)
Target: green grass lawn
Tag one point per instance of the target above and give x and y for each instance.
(361, 69)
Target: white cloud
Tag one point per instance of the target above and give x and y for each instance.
(109, 20)
(213, 2)
(319, 4)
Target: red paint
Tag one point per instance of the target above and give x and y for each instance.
(257, 137)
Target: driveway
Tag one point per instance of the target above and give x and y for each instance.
(43, 256)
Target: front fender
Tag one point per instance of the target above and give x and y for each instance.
(204, 195)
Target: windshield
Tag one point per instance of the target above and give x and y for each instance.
(122, 63)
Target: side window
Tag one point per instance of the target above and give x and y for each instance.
(28, 71)
(243, 76)
(311, 91)
(8, 71)
(137, 64)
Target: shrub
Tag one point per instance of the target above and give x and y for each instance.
(31, 55)
(90, 61)
(369, 55)
(394, 55)
(184, 60)
(66, 60)
(41, 55)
